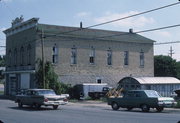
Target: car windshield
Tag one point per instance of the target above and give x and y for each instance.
(46, 92)
(151, 93)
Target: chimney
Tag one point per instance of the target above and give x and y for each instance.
(131, 30)
(81, 26)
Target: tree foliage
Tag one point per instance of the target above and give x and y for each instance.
(2, 61)
(165, 66)
(51, 78)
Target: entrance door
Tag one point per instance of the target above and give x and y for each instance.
(12, 87)
(25, 81)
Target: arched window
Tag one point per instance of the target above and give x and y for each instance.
(141, 56)
(109, 57)
(92, 56)
(54, 54)
(22, 56)
(29, 54)
(15, 57)
(126, 57)
(9, 58)
(74, 55)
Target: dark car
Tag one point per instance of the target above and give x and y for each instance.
(144, 99)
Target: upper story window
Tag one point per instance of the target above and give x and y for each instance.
(126, 57)
(29, 54)
(15, 57)
(92, 56)
(141, 56)
(109, 57)
(55, 54)
(74, 55)
(9, 58)
(22, 56)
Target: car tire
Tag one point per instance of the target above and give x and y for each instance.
(55, 107)
(115, 106)
(145, 108)
(160, 109)
(37, 106)
(20, 105)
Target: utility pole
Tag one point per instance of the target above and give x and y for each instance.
(43, 66)
(171, 52)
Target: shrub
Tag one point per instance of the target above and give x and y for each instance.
(178, 104)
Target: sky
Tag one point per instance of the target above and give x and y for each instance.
(91, 12)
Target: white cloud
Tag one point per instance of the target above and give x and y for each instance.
(83, 14)
(164, 34)
(2, 29)
(6, 0)
(139, 21)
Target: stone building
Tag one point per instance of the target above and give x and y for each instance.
(78, 55)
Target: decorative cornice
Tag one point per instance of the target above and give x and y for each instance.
(18, 25)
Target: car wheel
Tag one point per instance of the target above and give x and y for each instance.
(37, 106)
(20, 105)
(145, 108)
(55, 106)
(96, 96)
(115, 106)
(160, 109)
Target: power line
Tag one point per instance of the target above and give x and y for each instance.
(134, 15)
(172, 42)
(148, 11)
(149, 30)
(121, 34)
(8, 7)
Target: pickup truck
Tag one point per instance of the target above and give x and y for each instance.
(144, 99)
(98, 94)
(38, 97)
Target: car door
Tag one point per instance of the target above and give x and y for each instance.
(127, 100)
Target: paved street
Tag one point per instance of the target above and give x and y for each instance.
(88, 112)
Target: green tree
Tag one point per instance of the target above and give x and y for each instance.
(2, 61)
(178, 69)
(165, 66)
(51, 79)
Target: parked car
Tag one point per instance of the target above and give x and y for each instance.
(38, 97)
(144, 99)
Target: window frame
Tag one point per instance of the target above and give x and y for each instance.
(55, 54)
(109, 57)
(73, 55)
(92, 56)
(141, 58)
(126, 58)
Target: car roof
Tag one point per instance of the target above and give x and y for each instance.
(39, 89)
(140, 90)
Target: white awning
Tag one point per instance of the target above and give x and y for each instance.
(157, 80)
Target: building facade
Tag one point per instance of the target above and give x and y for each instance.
(78, 55)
